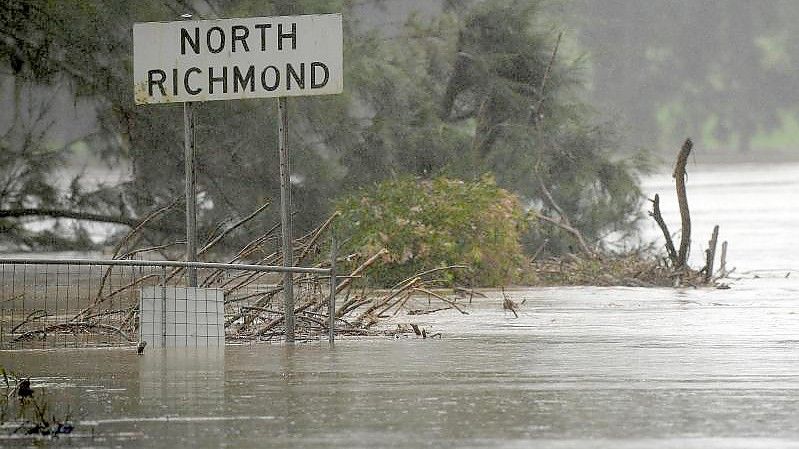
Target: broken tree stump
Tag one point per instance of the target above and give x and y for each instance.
(710, 254)
(682, 199)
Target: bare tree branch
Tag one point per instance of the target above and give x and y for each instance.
(77, 215)
(665, 229)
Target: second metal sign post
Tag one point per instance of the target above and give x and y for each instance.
(285, 216)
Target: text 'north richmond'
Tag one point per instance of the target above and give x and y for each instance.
(237, 58)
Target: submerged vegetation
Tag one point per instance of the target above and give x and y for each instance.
(28, 411)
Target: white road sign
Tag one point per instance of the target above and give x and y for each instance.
(231, 59)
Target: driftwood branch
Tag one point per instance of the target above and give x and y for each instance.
(441, 298)
(254, 245)
(71, 327)
(265, 298)
(232, 228)
(278, 320)
(136, 229)
(358, 271)
(318, 233)
(385, 303)
(158, 248)
(141, 225)
(431, 271)
(33, 316)
(271, 325)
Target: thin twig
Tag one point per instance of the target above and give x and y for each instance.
(318, 233)
(535, 116)
(232, 228)
(440, 297)
(33, 316)
(434, 270)
(70, 326)
(568, 228)
(98, 299)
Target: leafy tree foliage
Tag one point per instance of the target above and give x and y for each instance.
(436, 223)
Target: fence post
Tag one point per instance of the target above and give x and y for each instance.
(2, 307)
(163, 307)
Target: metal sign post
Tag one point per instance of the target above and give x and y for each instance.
(285, 216)
(191, 192)
(189, 152)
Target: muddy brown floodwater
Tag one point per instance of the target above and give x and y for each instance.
(580, 367)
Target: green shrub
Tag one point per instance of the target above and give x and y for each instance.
(426, 224)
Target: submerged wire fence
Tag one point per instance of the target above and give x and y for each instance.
(49, 303)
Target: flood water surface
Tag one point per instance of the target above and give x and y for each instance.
(579, 367)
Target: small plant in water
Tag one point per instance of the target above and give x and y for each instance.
(27, 410)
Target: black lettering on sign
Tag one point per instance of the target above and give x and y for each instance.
(245, 32)
(185, 37)
(174, 81)
(281, 35)
(315, 84)
(277, 78)
(291, 73)
(152, 81)
(186, 86)
(238, 80)
(263, 27)
(221, 40)
(217, 79)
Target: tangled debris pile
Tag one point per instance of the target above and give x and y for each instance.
(629, 270)
(254, 307)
